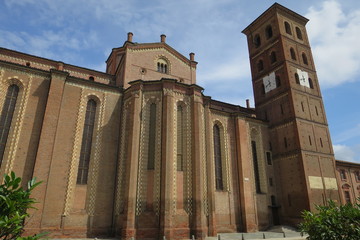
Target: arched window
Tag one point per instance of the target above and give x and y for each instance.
(256, 167)
(305, 61)
(260, 65)
(85, 152)
(91, 78)
(257, 40)
(346, 191)
(152, 138)
(180, 139)
(162, 66)
(273, 57)
(6, 117)
(357, 176)
(268, 32)
(278, 81)
(311, 84)
(342, 174)
(292, 53)
(298, 33)
(287, 28)
(297, 80)
(217, 158)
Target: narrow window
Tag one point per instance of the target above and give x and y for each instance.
(357, 176)
(159, 67)
(257, 41)
(6, 117)
(273, 200)
(85, 152)
(268, 158)
(302, 106)
(281, 109)
(342, 174)
(321, 143)
(260, 65)
(292, 53)
(298, 33)
(278, 81)
(287, 28)
(273, 57)
(217, 156)
(285, 142)
(152, 136)
(316, 110)
(305, 61)
(268, 32)
(180, 163)
(256, 167)
(297, 80)
(310, 141)
(347, 196)
(311, 83)
(270, 182)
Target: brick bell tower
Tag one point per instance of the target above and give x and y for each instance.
(287, 95)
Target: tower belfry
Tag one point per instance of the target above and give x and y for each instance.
(287, 95)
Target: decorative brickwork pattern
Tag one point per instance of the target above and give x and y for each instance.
(120, 181)
(221, 121)
(18, 119)
(85, 95)
(156, 50)
(148, 99)
(75, 154)
(256, 135)
(24, 62)
(184, 101)
(204, 163)
(96, 153)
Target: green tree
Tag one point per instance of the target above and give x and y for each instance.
(14, 203)
(332, 222)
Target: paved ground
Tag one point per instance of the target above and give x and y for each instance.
(259, 235)
(227, 236)
(276, 233)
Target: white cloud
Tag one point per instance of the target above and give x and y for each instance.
(236, 68)
(347, 153)
(334, 35)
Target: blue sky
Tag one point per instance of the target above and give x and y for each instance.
(83, 32)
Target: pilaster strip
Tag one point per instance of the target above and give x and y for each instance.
(75, 155)
(96, 159)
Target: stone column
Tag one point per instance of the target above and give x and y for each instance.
(44, 156)
(247, 200)
(199, 226)
(132, 162)
(167, 163)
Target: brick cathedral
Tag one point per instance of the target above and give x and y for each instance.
(140, 152)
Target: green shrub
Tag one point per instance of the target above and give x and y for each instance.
(332, 222)
(14, 203)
